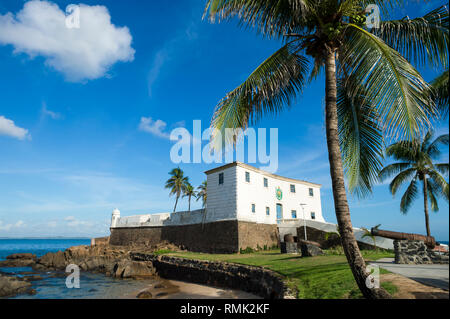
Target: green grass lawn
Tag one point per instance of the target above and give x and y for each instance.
(327, 276)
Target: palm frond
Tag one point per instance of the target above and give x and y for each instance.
(268, 90)
(433, 192)
(433, 148)
(440, 183)
(421, 40)
(269, 17)
(394, 86)
(400, 179)
(403, 151)
(440, 90)
(442, 168)
(392, 169)
(409, 196)
(386, 6)
(361, 140)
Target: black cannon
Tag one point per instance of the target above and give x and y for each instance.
(428, 240)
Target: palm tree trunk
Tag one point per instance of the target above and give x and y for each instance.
(425, 204)
(350, 246)
(176, 202)
(189, 203)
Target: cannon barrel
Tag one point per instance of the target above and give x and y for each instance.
(428, 240)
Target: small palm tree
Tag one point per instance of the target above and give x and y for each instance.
(201, 193)
(368, 233)
(177, 184)
(416, 164)
(189, 192)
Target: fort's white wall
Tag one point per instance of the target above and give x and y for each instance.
(164, 219)
(132, 221)
(185, 218)
(256, 193)
(221, 199)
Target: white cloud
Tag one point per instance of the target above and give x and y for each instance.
(52, 224)
(20, 223)
(170, 48)
(73, 222)
(154, 127)
(83, 53)
(7, 227)
(8, 128)
(46, 112)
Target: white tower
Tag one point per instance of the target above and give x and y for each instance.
(115, 217)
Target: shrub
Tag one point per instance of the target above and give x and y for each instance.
(247, 250)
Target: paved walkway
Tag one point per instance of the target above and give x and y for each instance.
(432, 275)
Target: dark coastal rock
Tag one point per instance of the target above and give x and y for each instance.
(96, 258)
(55, 260)
(33, 278)
(133, 269)
(21, 256)
(17, 263)
(19, 260)
(144, 295)
(11, 286)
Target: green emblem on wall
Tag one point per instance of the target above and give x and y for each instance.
(279, 193)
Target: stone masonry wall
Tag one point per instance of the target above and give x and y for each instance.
(216, 237)
(416, 252)
(135, 236)
(256, 235)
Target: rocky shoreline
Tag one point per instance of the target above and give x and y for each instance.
(142, 262)
(105, 259)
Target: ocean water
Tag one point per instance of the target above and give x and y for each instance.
(38, 247)
(53, 284)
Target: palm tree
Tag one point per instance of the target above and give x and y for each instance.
(368, 65)
(368, 233)
(189, 192)
(416, 164)
(201, 193)
(440, 86)
(177, 184)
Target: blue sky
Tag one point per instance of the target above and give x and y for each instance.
(71, 104)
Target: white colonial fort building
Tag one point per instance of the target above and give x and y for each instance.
(245, 207)
(243, 192)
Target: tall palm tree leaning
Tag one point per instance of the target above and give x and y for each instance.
(177, 184)
(379, 93)
(416, 165)
(201, 193)
(189, 192)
